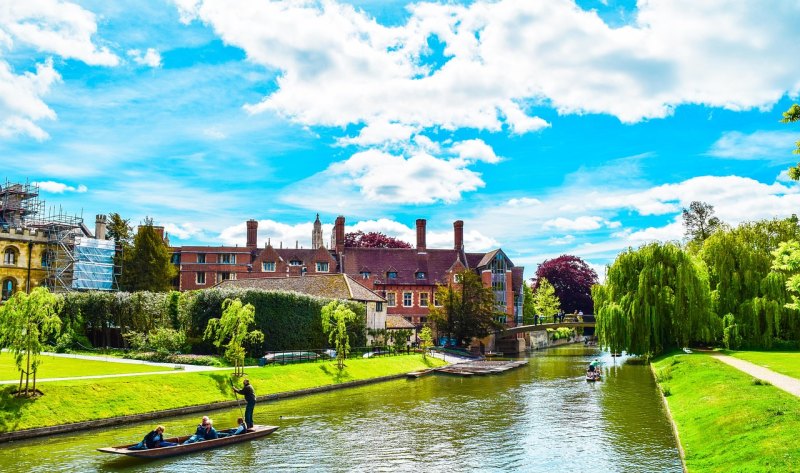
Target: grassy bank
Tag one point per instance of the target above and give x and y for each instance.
(58, 367)
(81, 400)
(727, 421)
(784, 362)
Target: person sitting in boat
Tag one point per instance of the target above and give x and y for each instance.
(154, 439)
(205, 431)
(242, 428)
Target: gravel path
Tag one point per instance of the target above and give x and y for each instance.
(781, 381)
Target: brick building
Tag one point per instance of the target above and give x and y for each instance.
(405, 277)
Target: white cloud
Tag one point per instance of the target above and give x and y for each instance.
(577, 224)
(59, 187)
(379, 133)
(150, 58)
(52, 27)
(767, 145)
(183, 231)
(477, 150)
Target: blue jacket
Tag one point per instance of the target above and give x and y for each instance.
(207, 435)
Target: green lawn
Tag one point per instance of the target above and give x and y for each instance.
(727, 422)
(57, 367)
(784, 362)
(79, 400)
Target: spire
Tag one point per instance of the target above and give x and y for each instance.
(316, 234)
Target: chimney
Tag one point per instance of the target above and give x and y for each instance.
(338, 234)
(159, 231)
(458, 235)
(100, 227)
(421, 235)
(252, 233)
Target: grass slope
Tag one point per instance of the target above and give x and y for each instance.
(80, 400)
(784, 362)
(58, 367)
(726, 421)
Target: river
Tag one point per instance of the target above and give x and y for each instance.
(543, 417)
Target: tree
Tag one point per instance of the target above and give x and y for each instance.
(528, 309)
(231, 331)
(654, 298)
(335, 316)
(425, 340)
(790, 116)
(545, 301)
(572, 280)
(147, 265)
(373, 240)
(699, 221)
(26, 321)
(468, 310)
(119, 229)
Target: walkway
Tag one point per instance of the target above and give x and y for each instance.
(781, 381)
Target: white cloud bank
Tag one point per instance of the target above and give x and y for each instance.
(59, 187)
(150, 58)
(52, 27)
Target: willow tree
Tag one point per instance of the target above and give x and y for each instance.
(335, 316)
(232, 331)
(26, 321)
(744, 284)
(654, 298)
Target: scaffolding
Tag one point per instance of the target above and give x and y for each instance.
(73, 260)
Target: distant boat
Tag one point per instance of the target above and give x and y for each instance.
(593, 376)
(255, 432)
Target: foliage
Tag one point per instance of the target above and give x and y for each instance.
(26, 320)
(425, 340)
(373, 240)
(399, 338)
(740, 262)
(545, 301)
(528, 309)
(572, 279)
(232, 331)
(119, 229)
(468, 309)
(561, 333)
(177, 358)
(335, 317)
(654, 298)
(730, 332)
(790, 116)
(699, 221)
(146, 265)
(161, 339)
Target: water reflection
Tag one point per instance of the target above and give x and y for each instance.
(543, 417)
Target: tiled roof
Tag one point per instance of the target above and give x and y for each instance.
(332, 286)
(397, 322)
(405, 261)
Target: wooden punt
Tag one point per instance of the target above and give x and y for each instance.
(161, 452)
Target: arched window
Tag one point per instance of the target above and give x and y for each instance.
(9, 285)
(10, 256)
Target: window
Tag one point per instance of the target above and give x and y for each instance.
(322, 267)
(227, 258)
(423, 299)
(379, 307)
(201, 257)
(423, 320)
(436, 301)
(10, 256)
(408, 299)
(390, 299)
(391, 275)
(9, 285)
(47, 258)
(365, 274)
(420, 275)
(295, 262)
(175, 259)
(225, 276)
(456, 278)
(200, 278)
(268, 266)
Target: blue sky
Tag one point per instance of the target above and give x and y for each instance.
(549, 127)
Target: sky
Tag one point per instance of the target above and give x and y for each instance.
(549, 127)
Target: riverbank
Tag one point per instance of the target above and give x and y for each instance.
(726, 419)
(83, 403)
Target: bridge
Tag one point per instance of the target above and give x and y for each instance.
(544, 326)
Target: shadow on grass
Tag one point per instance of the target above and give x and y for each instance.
(223, 382)
(336, 375)
(11, 408)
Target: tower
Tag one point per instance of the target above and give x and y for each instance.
(316, 234)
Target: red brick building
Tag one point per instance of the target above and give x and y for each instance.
(405, 277)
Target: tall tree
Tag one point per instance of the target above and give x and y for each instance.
(699, 221)
(373, 240)
(147, 265)
(655, 298)
(468, 309)
(572, 280)
(425, 340)
(119, 229)
(545, 301)
(790, 116)
(26, 321)
(335, 316)
(528, 308)
(232, 331)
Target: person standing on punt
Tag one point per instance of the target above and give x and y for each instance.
(250, 396)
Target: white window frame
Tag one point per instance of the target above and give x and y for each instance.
(265, 266)
(391, 299)
(409, 299)
(321, 264)
(426, 299)
(197, 278)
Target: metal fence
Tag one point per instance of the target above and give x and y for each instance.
(316, 355)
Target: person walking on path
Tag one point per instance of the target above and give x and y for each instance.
(250, 396)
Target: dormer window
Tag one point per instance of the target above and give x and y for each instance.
(365, 274)
(295, 262)
(420, 275)
(322, 267)
(268, 266)
(391, 275)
